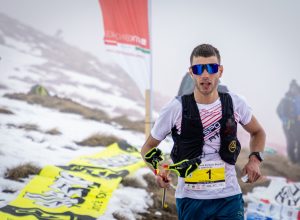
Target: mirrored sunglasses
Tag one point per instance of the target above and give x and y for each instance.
(211, 68)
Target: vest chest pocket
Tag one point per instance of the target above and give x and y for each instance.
(230, 145)
(230, 149)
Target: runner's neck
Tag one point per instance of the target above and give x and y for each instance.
(206, 99)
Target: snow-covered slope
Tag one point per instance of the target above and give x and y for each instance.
(29, 57)
(19, 146)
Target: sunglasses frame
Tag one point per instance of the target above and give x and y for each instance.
(211, 70)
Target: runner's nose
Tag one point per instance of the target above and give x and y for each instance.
(205, 73)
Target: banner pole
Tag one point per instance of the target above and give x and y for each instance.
(149, 92)
(147, 113)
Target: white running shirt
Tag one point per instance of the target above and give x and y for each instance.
(210, 114)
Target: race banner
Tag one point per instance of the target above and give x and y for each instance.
(127, 39)
(80, 190)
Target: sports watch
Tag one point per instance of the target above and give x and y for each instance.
(258, 155)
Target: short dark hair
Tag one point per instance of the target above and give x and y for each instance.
(205, 50)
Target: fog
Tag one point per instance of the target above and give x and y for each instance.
(258, 41)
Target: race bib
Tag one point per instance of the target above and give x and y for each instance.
(209, 175)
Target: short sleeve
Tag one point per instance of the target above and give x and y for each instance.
(241, 108)
(167, 118)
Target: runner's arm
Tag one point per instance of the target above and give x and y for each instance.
(257, 135)
(257, 144)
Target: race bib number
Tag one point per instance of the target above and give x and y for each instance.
(209, 175)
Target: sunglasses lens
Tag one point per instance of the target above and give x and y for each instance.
(197, 69)
(212, 68)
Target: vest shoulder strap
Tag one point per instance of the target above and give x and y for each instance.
(227, 105)
(189, 106)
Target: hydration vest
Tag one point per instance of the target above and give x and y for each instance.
(189, 143)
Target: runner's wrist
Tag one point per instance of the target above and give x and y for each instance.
(257, 154)
(254, 159)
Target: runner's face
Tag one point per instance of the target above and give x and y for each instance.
(206, 83)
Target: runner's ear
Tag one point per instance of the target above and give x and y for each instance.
(221, 69)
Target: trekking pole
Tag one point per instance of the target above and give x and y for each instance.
(163, 200)
(164, 175)
(164, 204)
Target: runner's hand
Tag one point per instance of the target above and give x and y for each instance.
(252, 170)
(163, 180)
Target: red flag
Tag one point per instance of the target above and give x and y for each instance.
(126, 22)
(126, 36)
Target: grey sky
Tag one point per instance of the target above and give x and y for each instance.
(258, 41)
